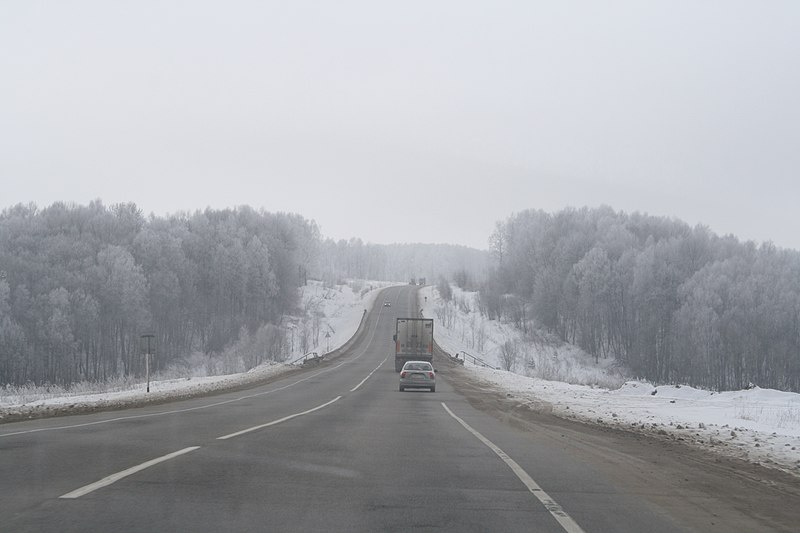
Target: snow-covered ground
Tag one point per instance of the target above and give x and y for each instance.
(339, 310)
(461, 328)
(34, 402)
(335, 310)
(759, 425)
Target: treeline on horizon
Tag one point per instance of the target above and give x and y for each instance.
(673, 303)
(80, 285)
(400, 262)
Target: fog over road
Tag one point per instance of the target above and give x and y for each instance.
(339, 448)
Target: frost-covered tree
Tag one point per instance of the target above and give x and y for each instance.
(80, 285)
(342, 259)
(671, 302)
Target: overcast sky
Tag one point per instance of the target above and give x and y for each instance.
(408, 121)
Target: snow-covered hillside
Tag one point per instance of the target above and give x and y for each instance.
(759, 425)
(331, 315)
(461, 328)
(335, 310)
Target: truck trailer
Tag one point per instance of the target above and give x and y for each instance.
(413, 341)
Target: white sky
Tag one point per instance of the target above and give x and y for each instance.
(410, 121)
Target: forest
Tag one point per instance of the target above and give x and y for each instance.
(400, 262)
(81, 284)
(673, 303)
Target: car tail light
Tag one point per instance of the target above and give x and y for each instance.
(402, 374)
(431, 375)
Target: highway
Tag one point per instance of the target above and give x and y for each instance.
(338, 448)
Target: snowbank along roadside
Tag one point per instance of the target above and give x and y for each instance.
(758, 425)
(335, 310)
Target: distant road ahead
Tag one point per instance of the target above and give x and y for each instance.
(338, 448)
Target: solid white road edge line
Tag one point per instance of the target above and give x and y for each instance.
(216, 404)
(369, 375)
(284, 419)
(113, 478)
(175, 411)
(550, 504)
(371, 336)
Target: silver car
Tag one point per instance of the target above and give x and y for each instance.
(418, 375)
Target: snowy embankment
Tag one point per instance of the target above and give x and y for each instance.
(758, 425)
(333, 311)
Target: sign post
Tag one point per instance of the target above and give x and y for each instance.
(147, 359)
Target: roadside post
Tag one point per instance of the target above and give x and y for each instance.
(147, 359)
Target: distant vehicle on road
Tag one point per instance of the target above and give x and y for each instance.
(387, 304)
(413, 340)
(417, 375)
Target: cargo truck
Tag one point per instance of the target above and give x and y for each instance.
(413, 340)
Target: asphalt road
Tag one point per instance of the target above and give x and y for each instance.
(339, 448)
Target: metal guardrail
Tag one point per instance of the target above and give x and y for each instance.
(455, 359)
(310, 357)
(475, 359)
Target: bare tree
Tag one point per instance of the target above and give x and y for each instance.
(480, 335)
(509, 355)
